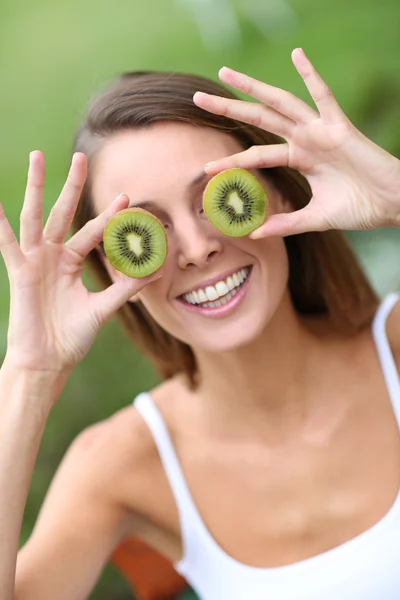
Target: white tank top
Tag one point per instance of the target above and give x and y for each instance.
(365, 568)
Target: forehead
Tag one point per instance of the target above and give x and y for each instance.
(155, 160)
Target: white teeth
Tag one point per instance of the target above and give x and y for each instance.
(211, 293)
(226, 299)
(202, 296)
(221, 288)
(221, 301)
(230, 283)
(219, 294)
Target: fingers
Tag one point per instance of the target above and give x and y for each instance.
(9, 248)
(281, 101)
(247, 112)
(63, 211)
(106, 303)
(91, 234)
(328, 108)
(31, 219)
(256, 157)
(299, 221)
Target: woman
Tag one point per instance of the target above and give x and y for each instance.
(267, 463)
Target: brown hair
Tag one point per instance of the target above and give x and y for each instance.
(324, 275)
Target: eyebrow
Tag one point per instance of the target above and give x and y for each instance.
(153, 203)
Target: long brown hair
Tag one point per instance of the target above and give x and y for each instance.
(324, 275)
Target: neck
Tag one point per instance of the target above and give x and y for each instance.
(265, 387)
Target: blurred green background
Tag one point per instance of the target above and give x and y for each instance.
(55, 56)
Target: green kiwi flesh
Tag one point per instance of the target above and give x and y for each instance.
(135, 242)
(235, 202)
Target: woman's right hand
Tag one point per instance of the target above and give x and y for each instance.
(54, 319)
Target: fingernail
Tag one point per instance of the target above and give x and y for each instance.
(300, 51)
(119, 197)
(32, 155)
(256, 235)
(209, 164)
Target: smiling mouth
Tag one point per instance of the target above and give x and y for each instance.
(217, 295)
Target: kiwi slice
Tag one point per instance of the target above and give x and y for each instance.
(235, 202)
(135, 242)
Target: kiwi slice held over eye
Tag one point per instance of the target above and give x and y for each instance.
(135, 242)
(235, 202)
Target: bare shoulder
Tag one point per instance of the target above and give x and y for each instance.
(110, 451)
(97, 465)
(119, 456)
(123, 431)
(116, 463)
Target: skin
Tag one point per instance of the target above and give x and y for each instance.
(271, 439)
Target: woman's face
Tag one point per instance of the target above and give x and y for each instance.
(162, 166)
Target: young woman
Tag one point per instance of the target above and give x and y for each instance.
(267, 464)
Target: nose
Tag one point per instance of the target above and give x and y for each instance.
(198, 244)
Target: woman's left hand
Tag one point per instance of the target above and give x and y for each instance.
(355, 183)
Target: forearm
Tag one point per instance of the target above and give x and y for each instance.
(396, 190)
(26, 399)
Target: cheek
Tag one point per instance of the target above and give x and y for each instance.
(155, 300)
(282, 264)
(270, 252)
(274, 264)
(162, 314)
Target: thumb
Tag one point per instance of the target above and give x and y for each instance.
(107, 302)
(299, 221)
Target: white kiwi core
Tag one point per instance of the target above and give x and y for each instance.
(236, 202)
(135, 243)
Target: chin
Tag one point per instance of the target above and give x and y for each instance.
(227, 336)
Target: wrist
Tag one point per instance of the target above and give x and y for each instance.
(391, 195)
(14, 366)
(40, 388)
(397, 192)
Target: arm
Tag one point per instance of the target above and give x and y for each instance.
(22, 421)
(54, 320)
(79, 525)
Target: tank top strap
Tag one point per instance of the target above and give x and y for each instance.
(188, 514)
(386, 358)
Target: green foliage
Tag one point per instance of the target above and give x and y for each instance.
(55, 56)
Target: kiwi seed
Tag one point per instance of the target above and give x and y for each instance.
(135, 242)
(235, 202)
